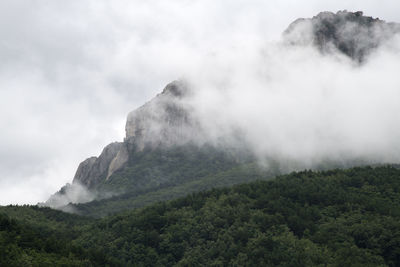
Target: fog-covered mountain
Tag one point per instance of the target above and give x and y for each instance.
(168, 145)
(196, 182)
(351, 33)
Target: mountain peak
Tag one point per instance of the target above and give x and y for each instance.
(164, 117)
(176, 88)
(350, 33)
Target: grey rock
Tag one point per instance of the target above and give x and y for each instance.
(164, 120)
(351, 33)
(84, 171)
(94, 170)
(119, 161)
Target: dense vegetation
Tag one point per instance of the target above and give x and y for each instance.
(169, 166)
(159, 174)
(32, 236)
(164, 173)
(127, 201)
(337, 218)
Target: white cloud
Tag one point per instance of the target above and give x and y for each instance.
(297, 104)
(71, 71)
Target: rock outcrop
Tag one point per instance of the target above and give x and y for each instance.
(91, 171)
(162, 121)
(351, 33)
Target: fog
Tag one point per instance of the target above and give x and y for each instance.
(295, 103)
(71, 71)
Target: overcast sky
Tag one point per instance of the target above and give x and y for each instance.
(70, 71)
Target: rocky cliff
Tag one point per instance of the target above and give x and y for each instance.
(94, 169)
(351, 33)
(164, 120)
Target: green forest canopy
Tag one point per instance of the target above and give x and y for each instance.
(338, 218)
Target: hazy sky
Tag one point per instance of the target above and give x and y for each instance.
(70, 71)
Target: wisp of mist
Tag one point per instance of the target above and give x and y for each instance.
(295, 103)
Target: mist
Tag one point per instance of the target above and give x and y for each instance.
(70, 193)
(297, 104)
(71, 72)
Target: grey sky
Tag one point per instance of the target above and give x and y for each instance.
(70, 71)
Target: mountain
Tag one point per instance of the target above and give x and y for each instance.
(167, 152)
(168, 195)
(163, 120)
(350, 33)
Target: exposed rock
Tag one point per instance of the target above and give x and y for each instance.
(84, 170)
(176, 89)
(119, 160)
(351, 33)
(93, 170)
(164, 120)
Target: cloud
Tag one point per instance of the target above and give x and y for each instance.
(297, 104)
(70, 193)
(71, 71)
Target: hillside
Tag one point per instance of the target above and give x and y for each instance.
(336, 218)
(135, 199)
(33, 236)
(342, 218)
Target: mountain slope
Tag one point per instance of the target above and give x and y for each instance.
(132, 200)
(338, 217)
(33, 236)
(332, 218)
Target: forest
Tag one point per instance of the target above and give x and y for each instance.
(309, 218)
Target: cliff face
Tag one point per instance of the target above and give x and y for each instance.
(350, 33)
(94, 169)
(162, 121)
(166, 119)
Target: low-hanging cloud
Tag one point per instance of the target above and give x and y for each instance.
(295, 103)
(70, 193)
(71, 71)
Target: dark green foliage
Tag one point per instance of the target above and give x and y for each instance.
(332, 218)
(236, 175)
(163, 173)
(163, 167)
(32, 236)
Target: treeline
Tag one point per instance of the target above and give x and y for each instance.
(332, 218)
